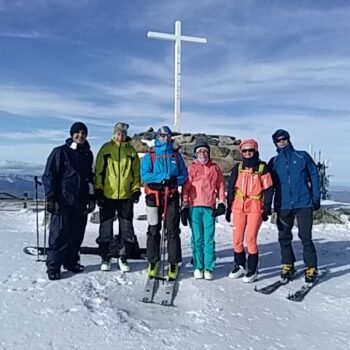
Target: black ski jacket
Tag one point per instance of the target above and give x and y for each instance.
(68, 173)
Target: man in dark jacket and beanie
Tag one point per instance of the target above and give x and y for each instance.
(297, 195)
(68, 182)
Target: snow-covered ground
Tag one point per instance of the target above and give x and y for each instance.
(101, 310)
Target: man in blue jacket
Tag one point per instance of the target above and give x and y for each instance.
(297, 195)
(163, 168)
(69, 191)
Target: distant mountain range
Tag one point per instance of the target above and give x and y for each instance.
(17, 185)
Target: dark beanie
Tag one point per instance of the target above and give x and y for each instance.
(201, 143)
(280, 133)
(76, 127)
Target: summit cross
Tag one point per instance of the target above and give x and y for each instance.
(177, 37)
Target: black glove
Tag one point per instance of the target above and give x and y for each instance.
(51, 207)
(317, 204)
(99, 197)
(91, 206)
(228, 215)
(264, 216)
(172, 182)
(266, 213)
(220, 210)
(135, 197)
(185, 214)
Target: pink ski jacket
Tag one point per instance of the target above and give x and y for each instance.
(205, 183)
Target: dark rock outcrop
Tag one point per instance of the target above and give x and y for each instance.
(223, 149)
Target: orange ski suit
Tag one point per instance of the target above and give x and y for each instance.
(247, 206)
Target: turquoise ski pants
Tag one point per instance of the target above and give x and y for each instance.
(203, 232)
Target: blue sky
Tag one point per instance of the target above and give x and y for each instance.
(267, 65)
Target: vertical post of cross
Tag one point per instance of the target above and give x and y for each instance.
(177, 37)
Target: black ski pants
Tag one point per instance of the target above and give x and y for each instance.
(125, 214)
(172, 228)
(66, 234)
(285, 222)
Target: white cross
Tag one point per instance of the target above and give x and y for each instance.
(177, 38)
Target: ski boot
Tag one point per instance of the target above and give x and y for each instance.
(310, 274)
(287, 272)
(173, 271)
(152, 270)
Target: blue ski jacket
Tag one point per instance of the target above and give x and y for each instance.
(166, 163)
(295, 178)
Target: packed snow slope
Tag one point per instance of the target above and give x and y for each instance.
(102, 310)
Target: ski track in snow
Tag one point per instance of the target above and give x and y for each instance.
(102, 310)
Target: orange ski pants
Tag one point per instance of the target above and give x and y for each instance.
(245, 225)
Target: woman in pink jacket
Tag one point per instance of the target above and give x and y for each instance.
(249, 196)
(204, 185)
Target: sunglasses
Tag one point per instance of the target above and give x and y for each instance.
(164, 135)
(248, 150)
(281, 139)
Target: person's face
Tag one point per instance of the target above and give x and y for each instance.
(202, 154)
(281, 142)
(120, 136)
(79, 137)
(164, 137)
(248, 152)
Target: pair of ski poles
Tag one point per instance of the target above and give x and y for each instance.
(38, 183)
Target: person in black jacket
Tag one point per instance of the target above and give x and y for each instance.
(69, 192)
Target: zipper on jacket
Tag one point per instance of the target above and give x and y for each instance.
(119, 170)
(289, 180)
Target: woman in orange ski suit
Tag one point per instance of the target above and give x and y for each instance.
(249, 196)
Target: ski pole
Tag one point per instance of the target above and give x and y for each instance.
(45, 223)
(37, 182)
(165, 210)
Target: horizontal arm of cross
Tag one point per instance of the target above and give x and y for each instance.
(163, 36)
(172, 37)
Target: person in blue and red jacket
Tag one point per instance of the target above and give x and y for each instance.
(297, 195)
(68, 181)
(163, 167)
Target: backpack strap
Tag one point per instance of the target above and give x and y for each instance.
(260, 168)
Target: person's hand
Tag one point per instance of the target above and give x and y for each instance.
(135, 197)
(172, 182)
(91, 206)
(220, 210)
(99, 197)
(51, 207)
(317, 204)
(185, 214)
(266, 213)
(228, 215)
(264, 216)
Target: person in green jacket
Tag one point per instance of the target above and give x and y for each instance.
(117, 188)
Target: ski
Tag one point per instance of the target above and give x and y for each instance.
(166, 293)
(149, 290)
(299, 294)
(31, 250)
(270, 288)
